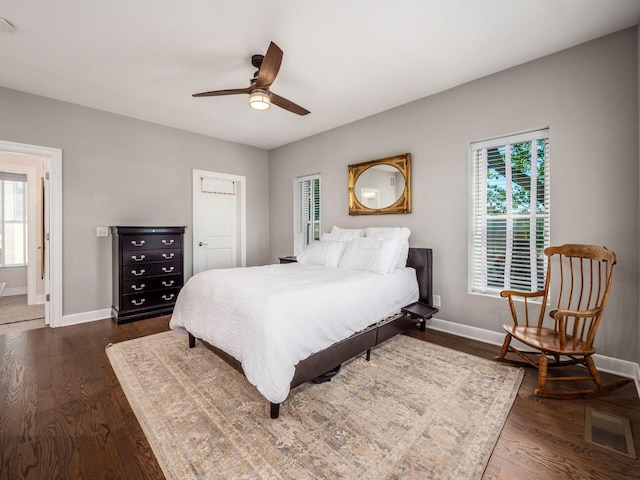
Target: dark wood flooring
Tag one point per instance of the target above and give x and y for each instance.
(63, 414)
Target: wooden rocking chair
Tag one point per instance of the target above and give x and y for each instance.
(576, 287)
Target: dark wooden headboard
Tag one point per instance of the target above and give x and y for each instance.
(421, 259)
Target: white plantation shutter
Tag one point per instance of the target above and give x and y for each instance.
(13, 219)
(511, 212)
(307, 212)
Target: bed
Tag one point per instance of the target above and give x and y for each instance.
(285, 324)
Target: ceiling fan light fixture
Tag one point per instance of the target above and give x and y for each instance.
(259, 99)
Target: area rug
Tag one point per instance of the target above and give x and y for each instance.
(15, 309)
(416, 410)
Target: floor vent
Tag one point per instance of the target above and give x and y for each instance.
(609, 431)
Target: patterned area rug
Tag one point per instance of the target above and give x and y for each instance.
(416, 410)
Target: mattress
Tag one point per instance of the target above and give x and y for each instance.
(271, 317)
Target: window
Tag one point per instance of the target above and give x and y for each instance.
(13, 219)
(511, 208)
(306, 228)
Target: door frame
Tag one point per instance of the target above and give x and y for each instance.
(242, 214)
(52, 210)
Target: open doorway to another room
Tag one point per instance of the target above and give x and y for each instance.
(22, 255)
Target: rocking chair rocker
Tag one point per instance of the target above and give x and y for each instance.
(577, 291)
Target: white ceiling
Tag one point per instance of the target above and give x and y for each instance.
(343, 59)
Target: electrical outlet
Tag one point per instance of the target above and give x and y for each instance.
(436, 301)
(102, 231)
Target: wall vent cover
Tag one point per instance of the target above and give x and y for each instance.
(609, 431)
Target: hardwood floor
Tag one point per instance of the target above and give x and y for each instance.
(544, 438)
(63, 414)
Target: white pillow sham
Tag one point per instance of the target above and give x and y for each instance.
(330, 237)
(325, 253)
(389, 233)
(370, 255)
(345, 234)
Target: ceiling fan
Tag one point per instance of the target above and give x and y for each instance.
(260, 96)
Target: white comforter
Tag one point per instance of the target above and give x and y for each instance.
(271, 317)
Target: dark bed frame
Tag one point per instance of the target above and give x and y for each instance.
(328, 360)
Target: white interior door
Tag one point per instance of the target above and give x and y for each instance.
(218, 221)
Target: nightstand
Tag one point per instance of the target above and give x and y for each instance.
(422, 311)
(288, 259)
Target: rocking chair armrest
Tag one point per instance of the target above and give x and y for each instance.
(511, 294)
(560, 314)
(515, 293)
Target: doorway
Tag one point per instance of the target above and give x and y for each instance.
(49, 189)
(21, 241)
(219, 221)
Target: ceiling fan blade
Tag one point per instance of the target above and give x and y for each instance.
(270, 66)
(288, 104)
(217, 93)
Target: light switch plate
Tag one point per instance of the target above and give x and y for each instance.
(102, 231)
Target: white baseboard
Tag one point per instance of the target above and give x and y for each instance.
(85, 317)
(623, 368)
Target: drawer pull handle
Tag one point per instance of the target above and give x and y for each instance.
(142, 257)
(168, 255)
(168, 242)
(169, 297)
(137, 274)
(138, 288)
(138, 303)
(137, 244)
(168, 284)
(167, 269)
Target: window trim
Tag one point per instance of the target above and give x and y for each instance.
(532, 136)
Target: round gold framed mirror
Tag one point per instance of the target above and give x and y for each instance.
(380, 186)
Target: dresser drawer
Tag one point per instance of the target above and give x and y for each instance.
(148, 284)
(139, 301)
(151, 242)
(134, 257)
(144, 270)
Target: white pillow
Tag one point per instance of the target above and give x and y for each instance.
(345, 234)
(389, 233)
(331, 237)
(370, 255)
(322, 253)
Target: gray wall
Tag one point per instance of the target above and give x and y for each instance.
(121, 171)
(587, 96)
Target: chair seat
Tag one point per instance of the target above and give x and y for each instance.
(546, 339)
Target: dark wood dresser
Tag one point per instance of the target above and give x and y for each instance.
(148, 271)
